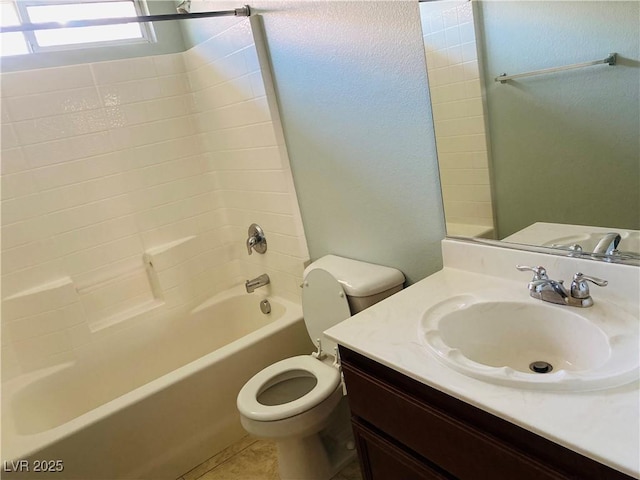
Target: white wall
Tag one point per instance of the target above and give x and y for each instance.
(128, 187)
(353, 90)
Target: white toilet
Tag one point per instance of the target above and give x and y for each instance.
(299, 402)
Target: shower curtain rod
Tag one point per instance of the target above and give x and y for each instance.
(25, 27)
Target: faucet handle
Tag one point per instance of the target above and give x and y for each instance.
(580, 287)
(251, 243)
(539, 272)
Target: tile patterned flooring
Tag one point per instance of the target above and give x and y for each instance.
(252, 459)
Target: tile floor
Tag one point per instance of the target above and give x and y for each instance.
(252, 459)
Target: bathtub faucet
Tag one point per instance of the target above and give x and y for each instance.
(257, 282)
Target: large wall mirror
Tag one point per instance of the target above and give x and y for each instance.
(550, 159)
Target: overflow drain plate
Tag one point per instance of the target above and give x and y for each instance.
(540, 367)
(265, 307)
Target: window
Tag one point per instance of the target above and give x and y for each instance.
(11, 43)
(60, 11)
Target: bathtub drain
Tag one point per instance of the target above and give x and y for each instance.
(540, 367)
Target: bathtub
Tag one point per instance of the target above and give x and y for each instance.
(152, 400)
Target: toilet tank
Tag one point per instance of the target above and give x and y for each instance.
(364, 283)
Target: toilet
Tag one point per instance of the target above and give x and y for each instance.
(300, 402)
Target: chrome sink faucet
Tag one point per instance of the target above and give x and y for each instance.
(257, 282)
(547, 290)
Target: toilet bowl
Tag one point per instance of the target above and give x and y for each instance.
(294, 397)
(299, 402)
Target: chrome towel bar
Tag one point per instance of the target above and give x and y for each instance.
(610, 60)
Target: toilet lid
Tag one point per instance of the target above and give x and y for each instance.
(328, 379)
(324, 304)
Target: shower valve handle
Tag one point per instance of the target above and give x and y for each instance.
(256, 240)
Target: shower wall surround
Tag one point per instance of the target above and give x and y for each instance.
(458, 114)
(127, 190)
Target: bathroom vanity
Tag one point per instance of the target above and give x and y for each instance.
(416, 415)
(412, 431)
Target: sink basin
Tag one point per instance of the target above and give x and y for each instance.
(531, 345)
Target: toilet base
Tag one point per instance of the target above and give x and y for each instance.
(319, 456)
(303, 458)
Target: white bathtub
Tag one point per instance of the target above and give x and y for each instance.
(156, 400)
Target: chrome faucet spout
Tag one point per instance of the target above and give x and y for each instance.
(549, 291)
(257, 282)
(608, 244)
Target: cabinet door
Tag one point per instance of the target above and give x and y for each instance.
(381, 459)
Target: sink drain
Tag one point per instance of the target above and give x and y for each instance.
(540, 367)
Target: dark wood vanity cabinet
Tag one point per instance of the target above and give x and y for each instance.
(406, 430)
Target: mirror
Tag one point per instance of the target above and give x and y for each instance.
(550, 160)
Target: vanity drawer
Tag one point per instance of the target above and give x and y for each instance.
(458, 438)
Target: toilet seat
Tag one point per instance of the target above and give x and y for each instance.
(328, 379)
(324, 304)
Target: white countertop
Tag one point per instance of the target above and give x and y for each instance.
(603, 425)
